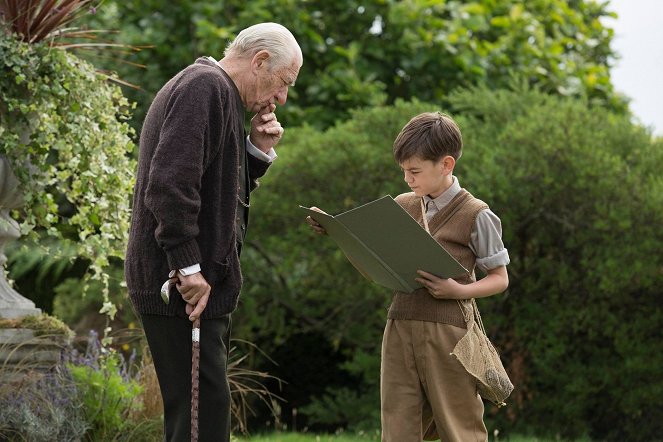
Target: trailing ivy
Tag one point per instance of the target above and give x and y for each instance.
(63, 127)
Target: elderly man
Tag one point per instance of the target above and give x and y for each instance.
(190, 211)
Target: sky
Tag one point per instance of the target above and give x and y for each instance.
(638, 74)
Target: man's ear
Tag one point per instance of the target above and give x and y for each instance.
(259, 60)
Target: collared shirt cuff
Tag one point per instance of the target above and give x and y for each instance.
(186, 271)
(267, 157)
(499, 259)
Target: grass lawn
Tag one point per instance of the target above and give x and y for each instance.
(303, 437)
(300, 437)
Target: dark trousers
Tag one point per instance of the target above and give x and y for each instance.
(169, 339)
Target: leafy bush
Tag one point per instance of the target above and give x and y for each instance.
(109, 394)
(36, 270)
(579, 195)
(79, 307)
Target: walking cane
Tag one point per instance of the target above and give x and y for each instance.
(195, 364)
(195, 378)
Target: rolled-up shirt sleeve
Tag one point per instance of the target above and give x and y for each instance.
(486, 242)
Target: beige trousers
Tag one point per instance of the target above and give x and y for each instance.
(422, 383)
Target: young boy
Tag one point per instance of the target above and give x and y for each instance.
(425, 392)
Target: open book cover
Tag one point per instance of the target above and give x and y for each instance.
(386, 245)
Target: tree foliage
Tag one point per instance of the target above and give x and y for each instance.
(360, 53)
(579, 196)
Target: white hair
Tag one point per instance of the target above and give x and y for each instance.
(272, 37)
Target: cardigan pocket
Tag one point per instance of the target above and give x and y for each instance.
(217, 271)
(221, 269)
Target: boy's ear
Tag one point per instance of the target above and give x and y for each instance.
(448, 163)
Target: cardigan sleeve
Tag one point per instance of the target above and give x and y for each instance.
(259, 162)
(257, 168)
(177, 167)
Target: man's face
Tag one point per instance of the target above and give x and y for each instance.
(425, 177)
(272, 85)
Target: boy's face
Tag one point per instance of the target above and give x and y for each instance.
(426, 177)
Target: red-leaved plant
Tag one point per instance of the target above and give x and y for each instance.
(36, 20)
(33, 21)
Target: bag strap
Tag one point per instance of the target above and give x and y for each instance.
(477, 317)
(473, 303)
(423, 214)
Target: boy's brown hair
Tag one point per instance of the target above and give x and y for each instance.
(429, 136)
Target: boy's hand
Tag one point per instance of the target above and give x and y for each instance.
(440, 287)
(315, 226)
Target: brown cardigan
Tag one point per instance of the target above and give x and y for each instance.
(452, 228)
(185, 198)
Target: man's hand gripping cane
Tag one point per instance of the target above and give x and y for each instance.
(194, 289)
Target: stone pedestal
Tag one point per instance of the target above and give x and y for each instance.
(12, 304)
(23, 351)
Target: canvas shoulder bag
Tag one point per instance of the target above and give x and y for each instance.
(477, 354)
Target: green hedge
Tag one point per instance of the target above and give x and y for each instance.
(580, 197)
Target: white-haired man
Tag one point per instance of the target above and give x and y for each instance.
(196, 170)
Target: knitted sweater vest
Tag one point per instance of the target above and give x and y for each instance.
(451, 227)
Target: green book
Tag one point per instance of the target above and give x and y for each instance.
(386, 245)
